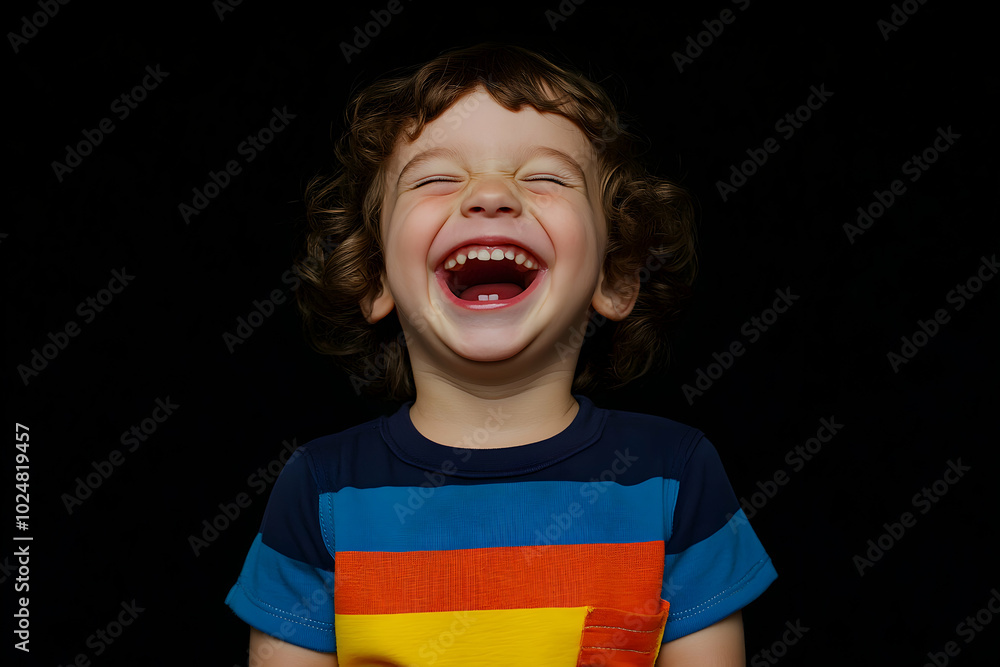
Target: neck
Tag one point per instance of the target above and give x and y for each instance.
(478, 416)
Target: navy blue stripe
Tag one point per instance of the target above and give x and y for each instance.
(644, 447)
(705, 501)
(291, 522)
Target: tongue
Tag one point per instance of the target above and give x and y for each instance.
(503, 290)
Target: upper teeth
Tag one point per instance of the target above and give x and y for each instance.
(487, 253)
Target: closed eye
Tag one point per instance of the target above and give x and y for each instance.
(435, 180)
(553, 179)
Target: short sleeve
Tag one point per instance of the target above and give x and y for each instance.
(714, 563)
(286, 586)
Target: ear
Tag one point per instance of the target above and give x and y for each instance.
(380, 306)
(615, 302)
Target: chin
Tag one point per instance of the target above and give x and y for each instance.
(488, 345)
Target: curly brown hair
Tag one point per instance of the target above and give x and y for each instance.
(650, 220)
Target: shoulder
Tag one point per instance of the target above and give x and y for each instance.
(337, 459)
(330, 444)
(656, 438)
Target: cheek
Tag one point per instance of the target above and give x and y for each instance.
(407, 238)
(406, 227)
(578, 234)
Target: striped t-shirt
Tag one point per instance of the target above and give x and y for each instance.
(590, 547)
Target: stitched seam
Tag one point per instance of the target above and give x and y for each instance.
(616, 627)
(322, 483)
(282, 614)
(327, 501)
(743, 582)
(608, 648)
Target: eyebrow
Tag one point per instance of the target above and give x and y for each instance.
(562, 158)
(559, 156)
(424, 157)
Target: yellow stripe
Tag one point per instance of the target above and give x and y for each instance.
(545, 636)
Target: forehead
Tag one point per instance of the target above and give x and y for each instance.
(479, 131)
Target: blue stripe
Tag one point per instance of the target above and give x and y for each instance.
(430, 518)
(285, 598)
(731, 564)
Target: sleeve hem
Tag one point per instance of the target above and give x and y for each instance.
(732, 599)
(281, 625)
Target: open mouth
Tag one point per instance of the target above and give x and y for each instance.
(490, 273)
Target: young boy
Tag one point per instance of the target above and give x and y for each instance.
(491, 248)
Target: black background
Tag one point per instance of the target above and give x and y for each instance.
(162, 336)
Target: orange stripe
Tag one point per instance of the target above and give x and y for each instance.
(629, 639)
(621, 576)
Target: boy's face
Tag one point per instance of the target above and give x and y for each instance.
(519, 188)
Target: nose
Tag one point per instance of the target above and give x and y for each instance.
(491, 198)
